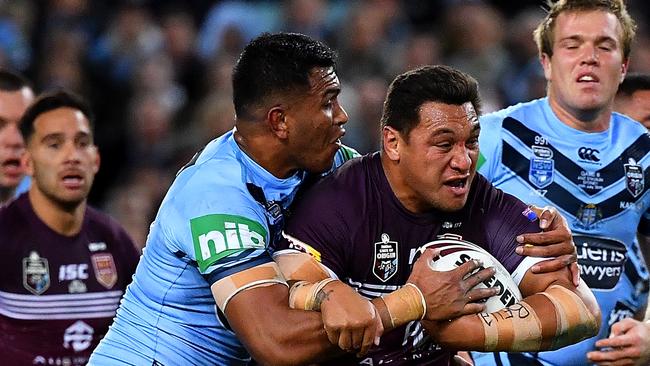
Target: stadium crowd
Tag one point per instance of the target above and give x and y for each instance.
(157, 73)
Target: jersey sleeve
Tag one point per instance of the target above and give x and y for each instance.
(508, 217)
(318, 226)
(222, 230)
(489, 146)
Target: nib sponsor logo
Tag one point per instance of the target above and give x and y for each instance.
(218, 236)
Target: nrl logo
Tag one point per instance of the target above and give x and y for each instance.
(634, 180)
(385, 258)
(36, 273)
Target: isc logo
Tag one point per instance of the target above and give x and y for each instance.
(69, 272)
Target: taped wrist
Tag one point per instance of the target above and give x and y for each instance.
(305, 295)
(401, 306)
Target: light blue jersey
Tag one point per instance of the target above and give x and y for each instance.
(597, 181)
(217, 219)
(23, 186)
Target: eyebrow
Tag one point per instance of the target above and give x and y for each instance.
(331, 92)
(60, 135)
(600, 39)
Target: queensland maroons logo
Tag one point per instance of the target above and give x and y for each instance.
(385, 265)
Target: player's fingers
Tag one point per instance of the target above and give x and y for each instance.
(368, 340)
(466, 268)
(345, 341)
(623, 326)
(427, 256)
(380, 329)
(478, 277)
(543, 248)
(477, 294)
(545, 214)
(459, 361)
(554, 264)
(473, 308)
(332, 335)
(575, 273)
(619, 355)
(356, 336)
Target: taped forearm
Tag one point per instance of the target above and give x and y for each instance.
(263, 275)
(522, 327)
(400, 306)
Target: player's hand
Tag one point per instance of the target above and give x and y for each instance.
(555, 240)
(462, 359)
(628, 344)
(351, 322)
(449, 294)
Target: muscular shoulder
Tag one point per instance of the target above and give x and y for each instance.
(345, 186)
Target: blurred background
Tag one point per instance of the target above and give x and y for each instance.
(157, 73)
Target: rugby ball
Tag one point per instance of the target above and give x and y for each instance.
(454, 252)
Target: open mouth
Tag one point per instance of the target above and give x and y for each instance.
(458, 183)
(587, 78)
(73, 180)
(11, 167)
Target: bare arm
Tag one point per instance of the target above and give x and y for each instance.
(553, 315)
(275, 334)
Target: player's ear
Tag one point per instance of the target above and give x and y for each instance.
(390, 142)
(624, 68)
(96, 160)
(26, 161)
(545, 60)
(276, 117)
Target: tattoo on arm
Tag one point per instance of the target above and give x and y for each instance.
(321, 296)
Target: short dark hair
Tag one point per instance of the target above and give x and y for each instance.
(11, 81)
(51, 101)
(275, 63)
(437, 83)
(634, 82)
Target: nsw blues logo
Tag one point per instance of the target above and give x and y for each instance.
(385, 265)
(540, 172)
(634, 178)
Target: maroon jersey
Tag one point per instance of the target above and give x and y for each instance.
(58, 294)
(358, 229)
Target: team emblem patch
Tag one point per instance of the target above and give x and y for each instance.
(540, 172)
(105, 271)
(385, 265)
(36, 274)
(634, 177)
(588, 215)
